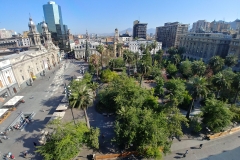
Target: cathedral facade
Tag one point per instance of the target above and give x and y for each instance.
(30, 65)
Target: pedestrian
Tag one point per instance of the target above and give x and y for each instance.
(184, 155)
(35, 144)
(49, 78)
(200, 146)
(186, 152)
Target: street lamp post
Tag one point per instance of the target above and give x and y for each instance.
(68, 94)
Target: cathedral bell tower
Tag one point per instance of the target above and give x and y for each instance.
(46, 33)
(116, 38)
(33, 34)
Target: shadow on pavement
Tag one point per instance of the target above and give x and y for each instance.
(28, 143)
(52, 102)
(36, 125)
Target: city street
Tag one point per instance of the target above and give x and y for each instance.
(47, 92)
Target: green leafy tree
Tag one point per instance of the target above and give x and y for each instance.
(172, 51)
(92, 138)
(67, 139)
(100, 49)
(171, 69)
(198, 67)
(108, 75)
(216, 63)
(147, 58)
(181, 50)
(198, 89)
(236, 86)
(216, 115)
(175, 121)
(236, 113)
(81, 98)
(186, 68)
(231, 60)
(144, 131)
(175, 88)
(158, 89)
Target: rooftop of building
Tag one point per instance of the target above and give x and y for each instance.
(219, 35)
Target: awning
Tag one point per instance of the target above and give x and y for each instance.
(57, 115)
(13, 101)
(2, 111)
(62, 107)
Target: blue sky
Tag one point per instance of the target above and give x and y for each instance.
(103, 16)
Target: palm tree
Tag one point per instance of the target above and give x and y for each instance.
(216, 63)
(100, 49)
(142, 47)
(236, 86)
(154, 46)
(128, 57)
(231, 60)
(144, 68)
(110, 48)
(82, 98)
(198, 67)
(198, 89)
(220, 81)
(94, 86)
(94, 60)
(159, 56)
(176, 59)
(119, 48)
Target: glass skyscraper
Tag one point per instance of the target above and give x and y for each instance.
(53, 16)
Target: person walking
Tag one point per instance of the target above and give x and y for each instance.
(200, 146)
(186, 152)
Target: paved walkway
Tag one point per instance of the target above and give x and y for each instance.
(225, 148)
(47, 95)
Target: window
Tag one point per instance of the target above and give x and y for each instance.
(1, 85)
(9, 79)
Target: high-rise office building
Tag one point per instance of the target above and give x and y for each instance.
(53, 16)
(139, 29)
(168, 34)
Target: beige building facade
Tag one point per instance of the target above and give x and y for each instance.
(204, 45)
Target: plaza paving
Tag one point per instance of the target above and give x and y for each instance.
(47, 95)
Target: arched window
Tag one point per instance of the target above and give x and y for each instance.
(9, 79)
(1, 85)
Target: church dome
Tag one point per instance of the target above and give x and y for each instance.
(44, 25)
(31, 23)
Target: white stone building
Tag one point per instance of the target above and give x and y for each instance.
(125, 38)
(80, 49)
(134, 46)
(8, 83)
